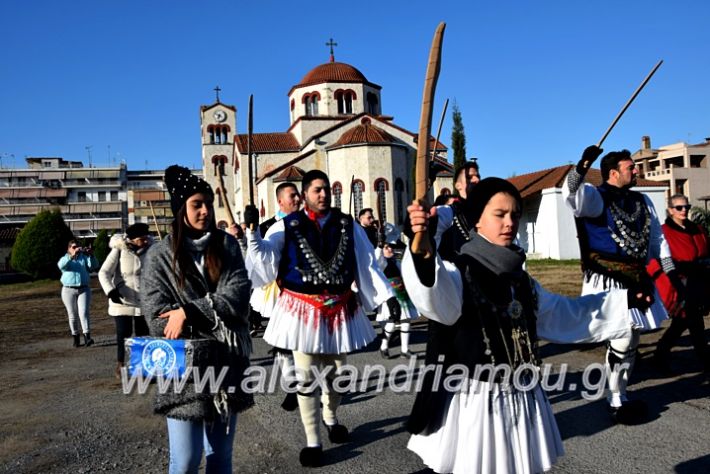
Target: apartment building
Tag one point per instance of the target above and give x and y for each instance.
(149, 201)
(683, 168)
(90, 199)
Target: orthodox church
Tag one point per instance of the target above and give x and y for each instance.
(336, 125)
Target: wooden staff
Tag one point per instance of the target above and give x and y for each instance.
(155, 220)
(225, 200)
(350, 206)
(438, 131)
(250, 128)
(421, 244)
(628, 103)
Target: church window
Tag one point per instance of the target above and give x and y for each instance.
(357, 191)
(218, 162)
(337, 195)
(399, 197)
(218, 192)
(446, 192)
(372, 104)
(345, 101)
(210, 130)
(311, 103)
(381, 187)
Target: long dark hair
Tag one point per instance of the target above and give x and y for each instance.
(182, 261)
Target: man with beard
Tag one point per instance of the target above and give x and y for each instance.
(618, 232)
(366, 219)
(316, 254)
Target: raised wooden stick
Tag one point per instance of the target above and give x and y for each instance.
(628, 103)
(155, 220)
(421, 244)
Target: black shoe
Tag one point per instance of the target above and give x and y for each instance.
(77, 340)
(408, 355)
(633, 412)
(385, 353)
(337, 433)
(87, 340)
(311, 457)
(290, 402)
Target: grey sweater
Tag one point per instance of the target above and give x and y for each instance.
(219, 316)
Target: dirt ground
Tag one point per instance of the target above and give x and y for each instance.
(62, 408)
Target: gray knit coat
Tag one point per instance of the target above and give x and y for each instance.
(220, 316)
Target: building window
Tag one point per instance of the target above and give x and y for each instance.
(357, 191)
(81, 196)
(337, 195)
(218, 161)
(372, 104)
(399, 197)
(218, 192)
(345, 100)
(114, 195)
(445, 192)
(310, 102)
(381, 188)
(102, 196)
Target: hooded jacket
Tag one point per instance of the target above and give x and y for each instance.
(122, 271)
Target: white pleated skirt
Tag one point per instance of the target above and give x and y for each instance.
(299, 326)
(644, 320)
(263, 299)
(487, 430)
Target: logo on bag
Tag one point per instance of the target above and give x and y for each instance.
(158, 358)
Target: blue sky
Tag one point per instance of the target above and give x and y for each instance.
(536, 81)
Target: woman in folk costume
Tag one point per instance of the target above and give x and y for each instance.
(195, 286)
(497, 313)
(691, 255)
(316, 254)
(120, 277)
(391, 268)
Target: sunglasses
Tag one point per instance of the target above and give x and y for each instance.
(685, 207)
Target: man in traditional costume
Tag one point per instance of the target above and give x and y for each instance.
(619, 232)
(316, 255)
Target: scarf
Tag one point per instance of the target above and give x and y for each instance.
(503, 261)
(317, 217)
(197, 248)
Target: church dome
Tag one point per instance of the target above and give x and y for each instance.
(364, 133)
(332, 72)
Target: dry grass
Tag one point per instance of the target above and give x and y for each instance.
(564, 277)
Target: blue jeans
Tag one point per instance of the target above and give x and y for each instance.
(187, 438)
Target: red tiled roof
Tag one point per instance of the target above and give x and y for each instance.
(333, 72)
(533, 183)
(433, 144)
(292, 173)
(284, 166)
(268, 142)
(364, 133)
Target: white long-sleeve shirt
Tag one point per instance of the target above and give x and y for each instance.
(264, 256)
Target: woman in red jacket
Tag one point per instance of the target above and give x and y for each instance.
(689, 247)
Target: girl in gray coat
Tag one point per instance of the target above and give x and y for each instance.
(120, 279)
(195, 286)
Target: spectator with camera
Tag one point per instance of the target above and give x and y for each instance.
(76, 265)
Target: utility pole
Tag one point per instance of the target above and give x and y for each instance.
(88, 150)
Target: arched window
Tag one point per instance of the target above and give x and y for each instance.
(337, 195)
(381, 188)
(445, 191)
(357, 191)
(222, 225)
(219, 161)
(210, 131)
(399, 197)
(372, 104)
(219, 197)
(345, 100)
(310, 102)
